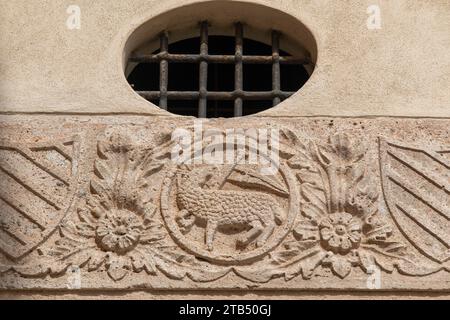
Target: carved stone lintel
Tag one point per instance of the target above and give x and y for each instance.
(339, 208)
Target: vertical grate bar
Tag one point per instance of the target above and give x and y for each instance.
(163, 71)
(276, 78)
(203, 76)
(238, 73)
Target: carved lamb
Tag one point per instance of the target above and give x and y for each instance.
(226, 208)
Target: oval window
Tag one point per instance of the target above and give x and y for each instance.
(227, 69)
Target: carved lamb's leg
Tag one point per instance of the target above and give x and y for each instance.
(211, 227)
(250, 235)
(185, 220)
(268, 230)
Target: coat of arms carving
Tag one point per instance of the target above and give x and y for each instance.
(37, 185)
(416, 184)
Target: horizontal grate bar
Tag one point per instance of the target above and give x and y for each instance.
(223, 59)
(217, 95)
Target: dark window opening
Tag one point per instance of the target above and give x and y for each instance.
(218, 76)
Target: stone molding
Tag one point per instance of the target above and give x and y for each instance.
(96, 203)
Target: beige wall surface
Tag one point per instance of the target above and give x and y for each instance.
(402, 69)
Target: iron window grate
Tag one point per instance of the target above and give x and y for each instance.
(203, 59)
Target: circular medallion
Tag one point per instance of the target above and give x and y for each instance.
(229, 214)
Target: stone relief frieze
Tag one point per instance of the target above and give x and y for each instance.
(330, 211)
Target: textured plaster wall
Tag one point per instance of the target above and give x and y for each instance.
(401, 70)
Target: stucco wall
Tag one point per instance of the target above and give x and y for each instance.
(403, 69)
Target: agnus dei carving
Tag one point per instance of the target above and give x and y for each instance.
(323, 214)
(229, 214)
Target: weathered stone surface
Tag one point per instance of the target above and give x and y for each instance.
(97, 203)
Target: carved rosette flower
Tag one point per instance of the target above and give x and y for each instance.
(337, 236)
(119, 231)
(340, 232)
(120, 236)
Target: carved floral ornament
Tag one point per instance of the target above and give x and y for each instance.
(322, 211)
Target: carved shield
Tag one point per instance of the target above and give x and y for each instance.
(37, 182)
(416, 185)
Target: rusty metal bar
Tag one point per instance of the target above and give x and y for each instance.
(163, 71)
(218, 95)
(203, 59)
(276, 79)
(223, 59)
(238, 69)
(203, 73)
